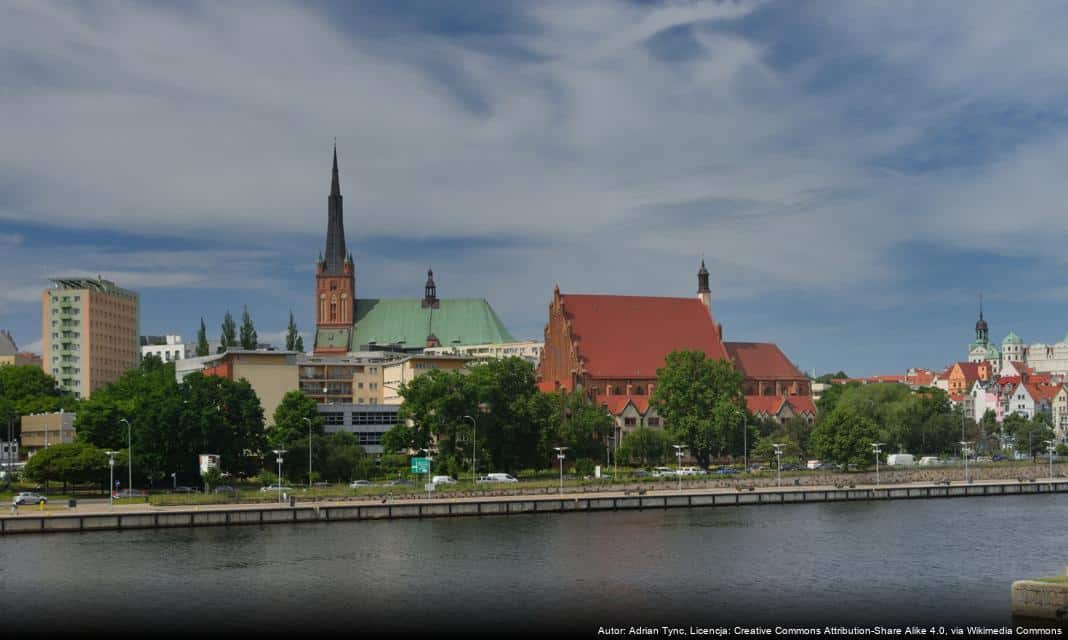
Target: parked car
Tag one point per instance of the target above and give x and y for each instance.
(641, 473)
(984, 459)
(442, 480)
(791, 467)
(691, 471)
(129, 493)
(399, 482)
(498, 477)
(186, 490)
(930, 461)
(722, 471)
(999, 458)
(28, 497)
(663, 472)
(274, 487)
(356, 484)
(320, 485)
(225, 489)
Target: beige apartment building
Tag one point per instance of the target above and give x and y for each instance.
(42, 430)
(395, 374)
(89, 333)
(271, 374)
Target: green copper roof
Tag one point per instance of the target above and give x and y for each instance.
(1012, 338)
(456, 321)
(332, 338)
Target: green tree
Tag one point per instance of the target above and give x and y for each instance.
(28, 389)
(202, 340)
(340, 458)
(1029, 435)
(397, 439)
(579, 425)
(211, 478)
(69, 463)
(298, 345)
(248, 331)
(701, 400)
(827, 377)
(845, 437)
(644, 446)
(291, 421)
(765, 448)
(228, 335)
(291, 334)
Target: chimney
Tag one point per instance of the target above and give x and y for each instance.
(630, 387)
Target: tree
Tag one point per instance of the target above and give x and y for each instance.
(765, 448)
(69, 463)
(26, 389)
(644, 446)
(290, 426)
(579, 425)
(299, 344)
(340, 458)
(228, 336)
(202, 340)
(248, 331)
(1029, 435)
(701, 400)
(845, 437)
(211, 478)
(291, 334)
(827, 377)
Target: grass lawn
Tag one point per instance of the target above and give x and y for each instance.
(1054, 579)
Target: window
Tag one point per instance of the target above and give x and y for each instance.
(359, 385)
(653, 422)
(630, 422)
(334, 418)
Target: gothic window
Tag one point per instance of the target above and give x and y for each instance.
(333, 285)
(638, 390)
(333, 309)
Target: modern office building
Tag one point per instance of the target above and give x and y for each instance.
(366, 422)
(89, 333)
(168, 348)
(529, 350)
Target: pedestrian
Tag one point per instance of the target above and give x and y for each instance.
(14, 508)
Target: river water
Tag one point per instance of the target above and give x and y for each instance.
(891, 563)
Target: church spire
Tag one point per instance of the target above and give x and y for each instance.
(335, 186)
(981, 328)
(335, 254)
(702, 279)
(430, 293)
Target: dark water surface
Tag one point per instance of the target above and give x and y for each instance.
(892, 563)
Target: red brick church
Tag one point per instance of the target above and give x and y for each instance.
(611, 346)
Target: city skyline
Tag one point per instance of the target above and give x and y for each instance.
(850, 202)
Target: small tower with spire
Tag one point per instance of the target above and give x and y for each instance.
(704, 294)
(430, 293)
(981, 329)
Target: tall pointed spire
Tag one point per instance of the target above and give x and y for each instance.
(335, 253)
(335, 186)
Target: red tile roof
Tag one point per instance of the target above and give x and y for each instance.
(772, 405)
(802, 404)
(630, 336)
(769, 405)
(1040, 392)
(616, 404)
(970, 370)
(762, 361)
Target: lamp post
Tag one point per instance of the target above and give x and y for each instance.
(474, 449)
(876, 448)
(308, 420)
(1051, 447)
(778, 455)
(560, 456)
(678, 463)
(964, 454)
(279, 452)
(111, 483)
(428, 476)
(129, 452)
(745, 439)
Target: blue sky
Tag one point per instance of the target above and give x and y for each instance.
(854, 173)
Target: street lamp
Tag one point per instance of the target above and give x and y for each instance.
(129, 452)
(428, 476)
(678, 464)
(964, 454)
(560, 456)
(1051, 447)
(745, 439)
(111, 483)
(279, 452)
(876, 448)
(778, 455)
(308, 420)
(474, 448)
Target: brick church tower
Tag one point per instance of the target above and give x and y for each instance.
(335, 274)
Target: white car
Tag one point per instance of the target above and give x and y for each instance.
(691, 471)
(356, 484)
(442, 480)
(28, 497)
(276, 489)
(498, 477)
(663, 472)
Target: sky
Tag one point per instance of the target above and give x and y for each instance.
(853, 173)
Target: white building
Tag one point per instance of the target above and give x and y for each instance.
(167, 348)
(529, 350)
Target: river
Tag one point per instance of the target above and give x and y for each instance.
(889, 562)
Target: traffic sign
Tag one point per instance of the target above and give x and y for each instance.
(420, 465)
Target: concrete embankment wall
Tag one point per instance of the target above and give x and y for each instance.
(161, 519)
(1037, 599)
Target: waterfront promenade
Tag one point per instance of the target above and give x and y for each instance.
(102, 516)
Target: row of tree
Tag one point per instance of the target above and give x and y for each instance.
(247, 338)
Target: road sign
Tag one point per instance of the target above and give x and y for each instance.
(429, 486)
(420, 465)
